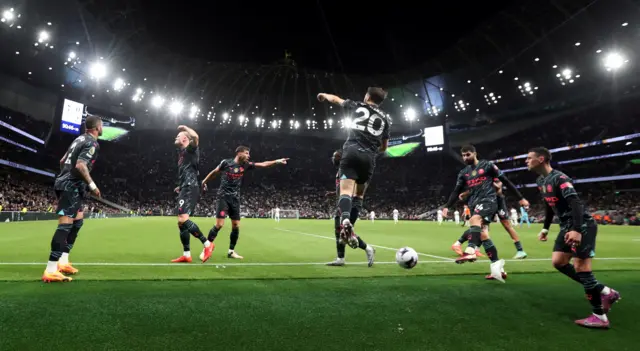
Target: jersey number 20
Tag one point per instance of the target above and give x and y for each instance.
(367, 121)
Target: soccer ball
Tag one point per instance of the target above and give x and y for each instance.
(407, 257)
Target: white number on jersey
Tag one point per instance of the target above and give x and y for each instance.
(367, 121)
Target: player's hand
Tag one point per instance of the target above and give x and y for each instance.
(542, 236)
(176, 190)
(182, 127)
(498, 186)
(322, 97)
(573, 238)
(96, 192)
(524, 203)
(445, 211)
(282, 161)
(463, 195)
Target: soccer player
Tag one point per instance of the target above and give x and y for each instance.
(368, 136)
(506, 224)
(514, 217)
(395, 216)
(456, 216)
(577, 236)
(478, 177)
(440, 219)
(228, 203)
(277, 214)
(467, 216)
(187, 142)
(524, 216)
(355, 212)
(372, 216)
(71, 187)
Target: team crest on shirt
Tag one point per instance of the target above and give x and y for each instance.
(549, 188)
(92, 151)
(473, 174)
(481, 172)
(235, 170)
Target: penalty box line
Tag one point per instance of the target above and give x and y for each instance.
(376, 246)
(274, 264)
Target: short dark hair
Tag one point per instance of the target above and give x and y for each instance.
(335, 158)
(377, 95)
(468, 148)
(92, 122)
(542, 151)
(241, 148)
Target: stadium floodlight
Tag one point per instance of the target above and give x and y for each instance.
(138, 95)
(614, 61)
(460, 105)
(157, 101)
(258, 121)
(72, 56)
(176, 107)
(296, 125)
(527, 89)
(118, 84)
(492, 98)
(8, 16)
(241, 119)
(433, 111)
(97, 70)
(274, 124)
(43, 37)
(567, 76)
(410, 114)
(193, 112)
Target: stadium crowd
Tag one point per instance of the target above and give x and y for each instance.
(139, 170)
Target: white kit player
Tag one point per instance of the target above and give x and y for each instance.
(440, 218)
(456, 216)
(372, 216)
(395, 216)
(277, 214)
(514, 217)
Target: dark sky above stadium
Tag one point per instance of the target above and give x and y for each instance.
(349, 36)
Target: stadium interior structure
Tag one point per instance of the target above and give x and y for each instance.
(559, 74)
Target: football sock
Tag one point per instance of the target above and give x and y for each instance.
(71, 239)
(186, 254)
(362, 244)
(213, 233)
(194, 230)
(569, 271)
(344, 204)
(340, 248)
(491, 250)
(593, 290)
(474, 239)
(64, 259)
(58, 243)
(185, 237)
(518, 246)
(465, 236)
(233, 238)
(356, 206)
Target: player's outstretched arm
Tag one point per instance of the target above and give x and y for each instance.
(192, 133)
(336, 100)
(211, 176)
(266, 164)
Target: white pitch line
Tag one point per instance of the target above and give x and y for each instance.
(274, 264)
(376, 246)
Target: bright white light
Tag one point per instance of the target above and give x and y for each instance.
(43, 37)
(625, 24)
(296, 125)
(118, 84)
(566, 73)
(613, 61)
(274, 124)
(176, 107)
(193, 111)
(578, 44)
(157, 101)
(72, 55)
(97, 70)
(258, 120)
(8, 15)
(410, 114)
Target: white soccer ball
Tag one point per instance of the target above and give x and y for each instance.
(407, 257)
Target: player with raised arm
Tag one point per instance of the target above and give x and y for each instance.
(228, 202)
(368, 136)
(187, 142)
(478, 177)
(71, 187)
(395, 216)
(577, 236)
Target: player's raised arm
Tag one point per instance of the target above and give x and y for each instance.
(213, 173)
(336, 100)
(192, 134)
(265, 164)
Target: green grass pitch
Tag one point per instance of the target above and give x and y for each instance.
(128, 296)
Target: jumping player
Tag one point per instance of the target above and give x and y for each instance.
(368, 136)
(228, 203)
(70, 187)
(187, 141)
(478, 177)
(355, 212)
(577, 236)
